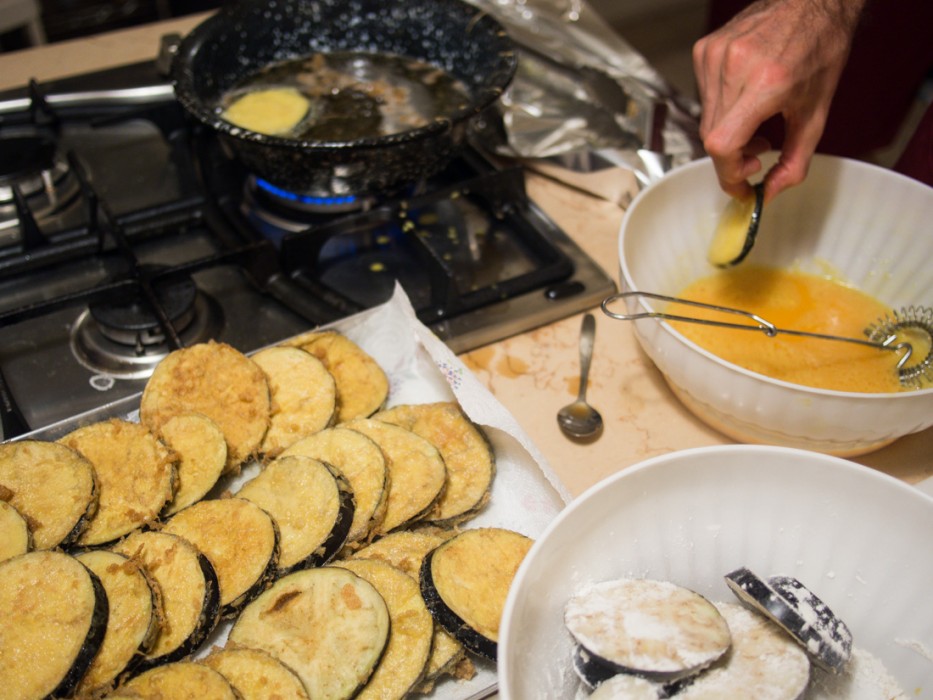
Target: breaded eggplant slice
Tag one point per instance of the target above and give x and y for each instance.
(182, 680)
(471, 464)
(136, 474)
(326, 624)
(241, 541)
(406, 549)
(219, 381)
(362, 385)
(52, 486)
(304, 396)
(311, 503)
(14, 532)
(417, 474)
(362, 463)
(788, 603)
(189, 590)
(256, 674)
(133, 623)
(54, 616)
(202, 457)
(465, 582)
(404, 662)
(762, 662)
(654, 629)
(623, 687)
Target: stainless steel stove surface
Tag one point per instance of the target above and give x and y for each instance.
(126, 232)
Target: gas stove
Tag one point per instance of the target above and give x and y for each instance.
(126, 231)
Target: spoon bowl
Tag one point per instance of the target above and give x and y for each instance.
(579, 419)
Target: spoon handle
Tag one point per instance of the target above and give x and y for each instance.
(587, 334)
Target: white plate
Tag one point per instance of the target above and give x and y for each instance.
(856, 537)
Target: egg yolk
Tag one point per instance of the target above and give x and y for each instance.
(799, 301)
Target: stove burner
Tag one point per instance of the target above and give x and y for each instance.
(31, 163)
(124, 338)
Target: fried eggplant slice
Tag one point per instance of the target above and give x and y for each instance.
(327, 624)
(202, 457)
(241, 541)
(304, 396)
(788, 603)
(52, 486)
(311, 503)
(471, 465)
(411, 630)
(136, 473)
(763, 661)
(465, 582)
(655, 629)
(256, 674)
(182, 680)
(133, 623)
(406, 549)
(54, 616)
(218, 381)
(417, 474)
(362, 385)
(14, 532)
(189, 590)
(361, 462)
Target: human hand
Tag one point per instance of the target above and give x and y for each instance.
(775, 57)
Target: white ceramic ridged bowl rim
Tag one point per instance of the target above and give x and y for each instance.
(699, 200)
(855, 536)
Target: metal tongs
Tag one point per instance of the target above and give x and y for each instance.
(882, 335)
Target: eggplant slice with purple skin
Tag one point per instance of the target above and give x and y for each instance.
(788, 603)
(190, 594)
(465, 581)
(54, 613)
(654, 629)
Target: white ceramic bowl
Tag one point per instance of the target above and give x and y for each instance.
(867, 225)
(856, 537)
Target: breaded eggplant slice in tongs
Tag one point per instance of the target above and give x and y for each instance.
(304, 396)
(189, 590)
(241, 541)
(655, 629)
(311, 503)
(135, 615)
(404, 662)
(326, 624)
(466, 580)
(256, 674)
(181, 680)
(218, 381)
(417, 474)
(471, 464)
(54, 617)
(362, 463)
(15, 538)
(763, 661)
(406, 549)
(202, 457)
(362, 385)
(136, 473)
(52, 486)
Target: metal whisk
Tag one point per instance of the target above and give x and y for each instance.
(883, 334)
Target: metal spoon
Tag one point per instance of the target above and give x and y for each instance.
(579, 419)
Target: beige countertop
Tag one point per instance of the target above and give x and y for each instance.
(535, 373)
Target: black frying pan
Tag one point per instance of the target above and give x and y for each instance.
(248, 35)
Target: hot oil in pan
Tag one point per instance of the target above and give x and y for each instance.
(345, 96)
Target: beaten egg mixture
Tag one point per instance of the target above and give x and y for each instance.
(799, 301)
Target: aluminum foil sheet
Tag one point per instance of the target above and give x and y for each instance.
(584, 103)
